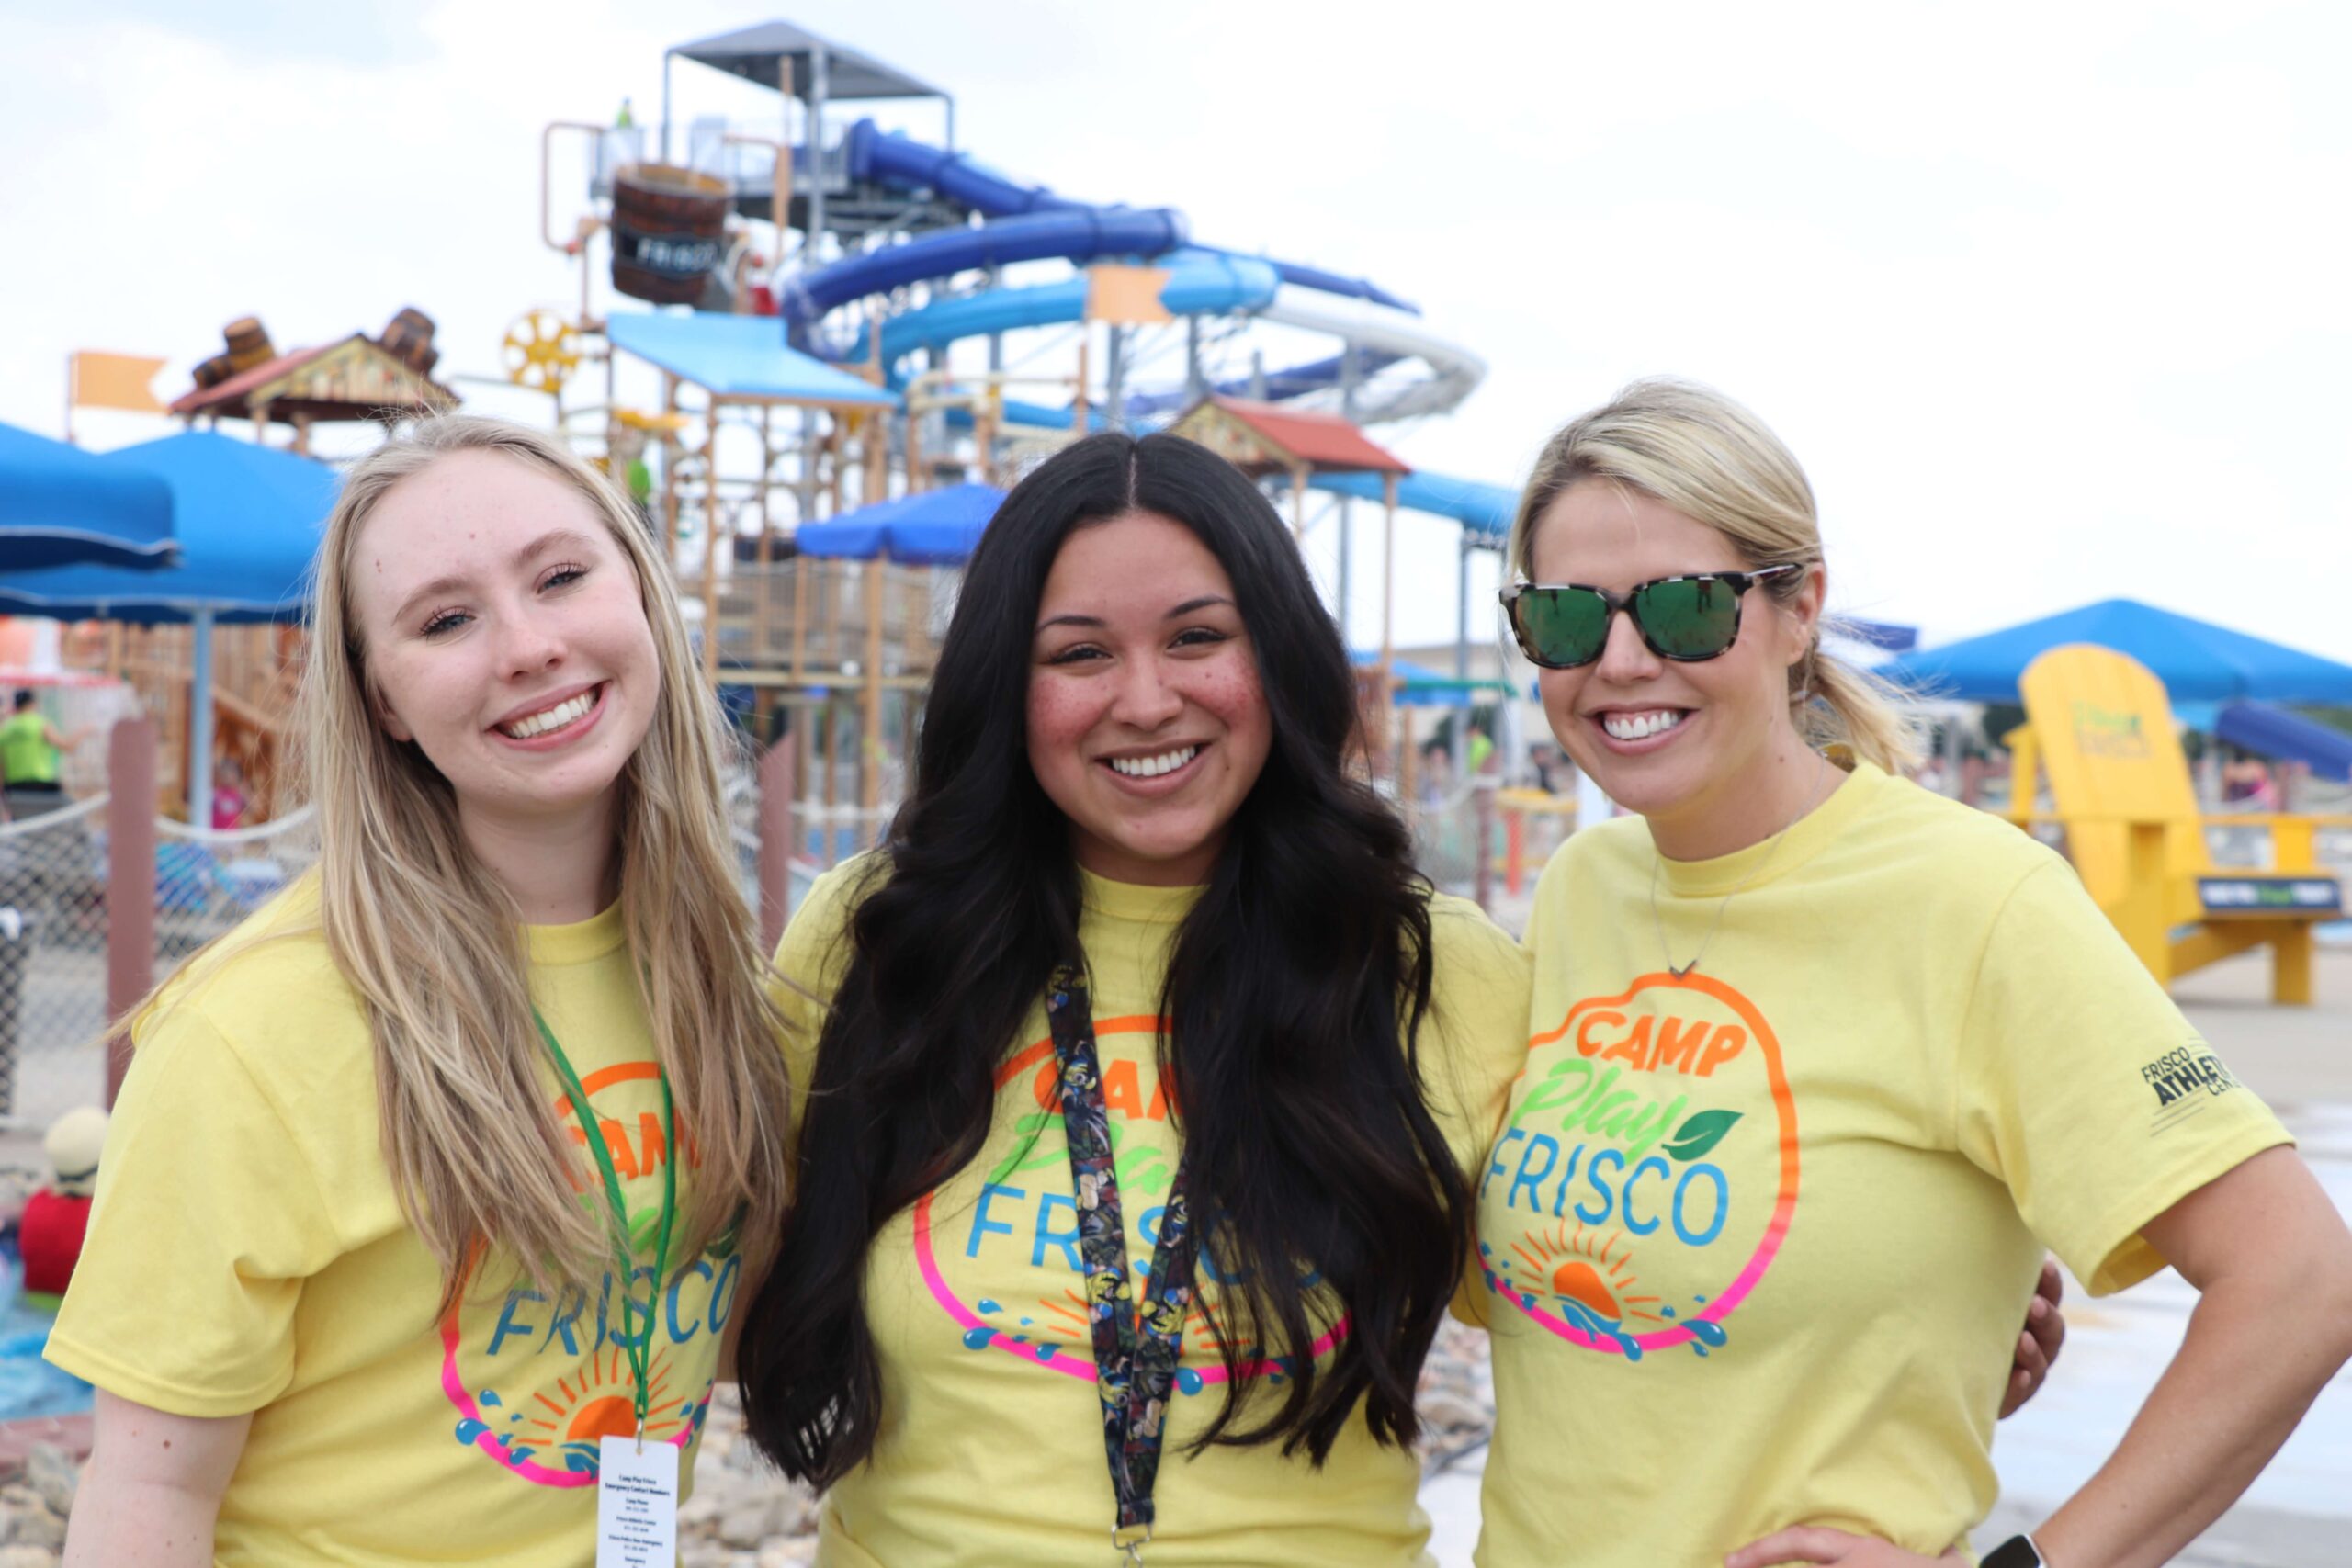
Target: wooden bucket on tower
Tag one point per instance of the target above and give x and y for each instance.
(669, 232)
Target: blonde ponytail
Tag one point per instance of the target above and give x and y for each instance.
(1838, 704)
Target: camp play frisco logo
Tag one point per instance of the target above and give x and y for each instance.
(1648, 1172)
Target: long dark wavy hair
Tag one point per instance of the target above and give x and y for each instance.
(1295, 995)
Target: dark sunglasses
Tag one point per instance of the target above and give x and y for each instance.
(1686, 619)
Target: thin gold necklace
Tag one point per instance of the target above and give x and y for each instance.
(1658, 924)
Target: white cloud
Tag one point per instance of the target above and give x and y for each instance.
(2049, 299)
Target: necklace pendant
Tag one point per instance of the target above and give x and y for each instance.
(1680, 972)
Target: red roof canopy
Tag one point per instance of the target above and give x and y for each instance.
(1289, 438)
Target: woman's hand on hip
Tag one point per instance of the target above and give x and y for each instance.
(2039, 1342)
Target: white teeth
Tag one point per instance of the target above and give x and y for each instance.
(551, 718)
(1639, 726)
(1152, 767)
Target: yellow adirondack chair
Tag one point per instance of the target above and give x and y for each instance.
(2101, 724)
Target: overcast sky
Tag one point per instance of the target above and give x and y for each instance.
(2050, 299)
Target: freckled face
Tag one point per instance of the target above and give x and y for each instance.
(1148, 725)
(504, 636)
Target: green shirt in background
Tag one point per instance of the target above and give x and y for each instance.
(26, 755)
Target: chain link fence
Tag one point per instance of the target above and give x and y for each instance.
(53, 957)
(53, 906)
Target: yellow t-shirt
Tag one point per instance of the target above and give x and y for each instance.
(1757, 1243)
(247, 1253)
(991, 1450)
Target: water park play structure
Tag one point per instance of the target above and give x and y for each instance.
(880, 316)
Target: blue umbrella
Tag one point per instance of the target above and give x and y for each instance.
(933, 527)
(59, 503)
(249, 520)
(2198, 662)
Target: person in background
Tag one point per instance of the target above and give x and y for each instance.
(228, 795)
(30, 748)
(1480, 749)
(56, 1218)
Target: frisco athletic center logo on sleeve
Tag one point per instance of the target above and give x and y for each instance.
(2185, 1080)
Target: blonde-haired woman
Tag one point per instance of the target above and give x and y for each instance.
(1819, 1065)
(424, 1192)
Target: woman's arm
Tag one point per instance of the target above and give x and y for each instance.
(2272, 1262)
(152, 1486)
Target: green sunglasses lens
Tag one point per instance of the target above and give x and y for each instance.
(1561, 626)
(1690, 617)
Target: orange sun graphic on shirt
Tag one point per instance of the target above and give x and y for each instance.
(1574, 1269)
(601, 1402)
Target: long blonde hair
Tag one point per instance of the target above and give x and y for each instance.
(1714, 461)
(435, 946)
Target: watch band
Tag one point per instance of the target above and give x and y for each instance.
(2017, 1551)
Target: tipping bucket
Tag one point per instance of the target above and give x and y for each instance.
(669, 232)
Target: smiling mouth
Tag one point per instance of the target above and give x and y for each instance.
(1153, 766)
(548, 720)
(1641, 726)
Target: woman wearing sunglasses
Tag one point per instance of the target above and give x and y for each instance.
(1819, 1065)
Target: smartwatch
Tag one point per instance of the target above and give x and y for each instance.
(2017, 1551)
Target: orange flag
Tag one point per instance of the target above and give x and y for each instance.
(115, 381)
(1127, 295)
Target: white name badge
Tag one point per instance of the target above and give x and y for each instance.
(637, 1504)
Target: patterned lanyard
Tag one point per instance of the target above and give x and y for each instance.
(1134, 1363)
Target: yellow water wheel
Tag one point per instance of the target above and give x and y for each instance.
(542, 351)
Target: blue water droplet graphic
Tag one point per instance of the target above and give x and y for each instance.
(489, 1396)
(519, 1455)
(1027, 1321)
(987, 1305)
(1710, 1333)
(1669, 1311)
(1188, 1380)
(978, 1338)
(1046, 1352)
(470, 1430)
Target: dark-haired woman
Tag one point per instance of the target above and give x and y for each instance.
(1144, 1072)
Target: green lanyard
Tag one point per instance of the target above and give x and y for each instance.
(639, 1349)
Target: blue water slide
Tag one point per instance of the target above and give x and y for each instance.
(1280, 385)
(1078, 234)
(1199, 284)
(888, 158)
(896, 160)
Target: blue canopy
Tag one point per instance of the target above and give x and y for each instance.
(2287, 737)
(59, 504)
(740, 356)
(932, 528)
(2197, 663)
(1419, 686)
(249, 519)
